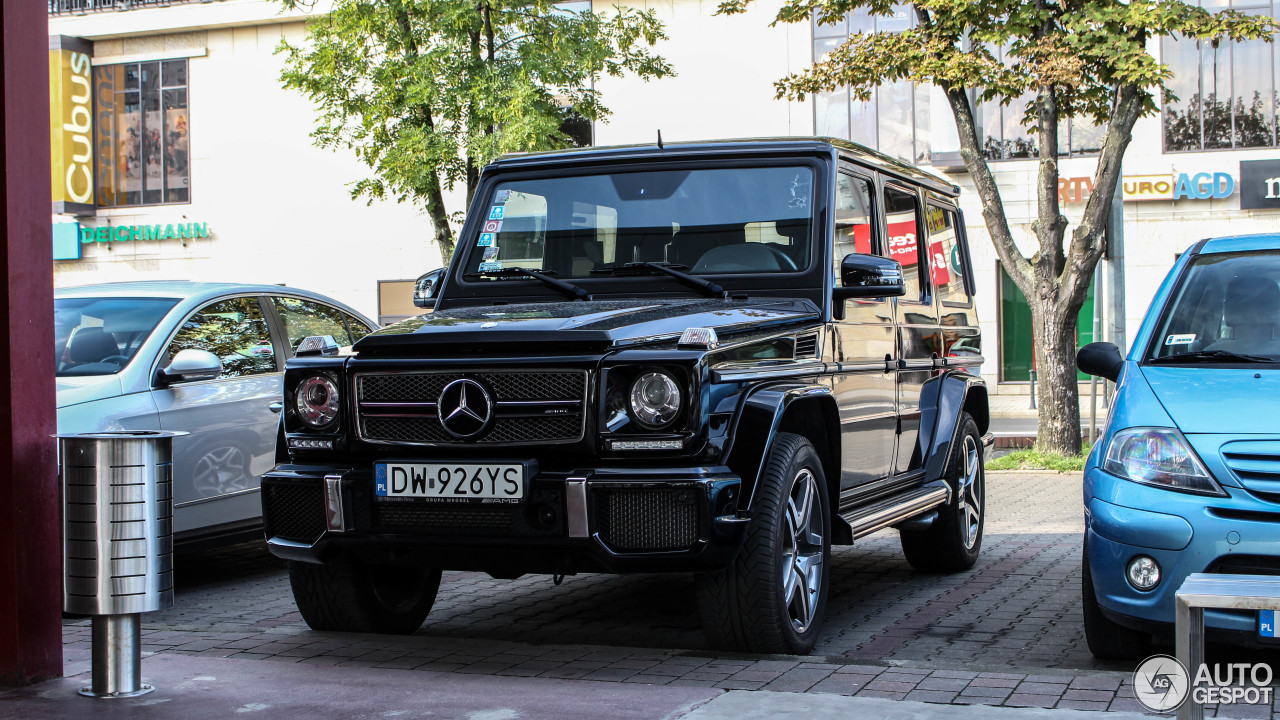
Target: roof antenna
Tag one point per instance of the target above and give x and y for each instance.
(659, 138)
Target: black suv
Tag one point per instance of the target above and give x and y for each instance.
(720, 358)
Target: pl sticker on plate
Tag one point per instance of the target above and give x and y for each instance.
(495, 212)
(486, 239)
(492, 226)
(1267, 623)
(1180, 339)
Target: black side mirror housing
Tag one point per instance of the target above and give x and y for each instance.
(1101, 359)
(426, 288)
(869, 276)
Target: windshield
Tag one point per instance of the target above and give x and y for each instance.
(709, 222)
(99, 336)
(1226, 311)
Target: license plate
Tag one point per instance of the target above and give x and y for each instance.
(1267, 623)
(493, 482)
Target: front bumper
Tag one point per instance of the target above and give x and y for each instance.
(592, 520)
(1185, 534)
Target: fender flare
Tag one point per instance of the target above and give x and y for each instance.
(756, 422)
(942, 400)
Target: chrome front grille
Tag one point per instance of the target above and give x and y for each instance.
(529, 407)
(1256, 464)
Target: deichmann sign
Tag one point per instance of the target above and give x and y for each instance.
(1259, 184)
(71, 125)
(138, 233)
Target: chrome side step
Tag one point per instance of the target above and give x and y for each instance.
(891, 511)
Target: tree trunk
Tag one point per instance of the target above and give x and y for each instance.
(440, 223)
(1057, 391)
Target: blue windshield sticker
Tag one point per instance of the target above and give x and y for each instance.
(490, 266)
(495, 213)
(1180, 340)
(501, 196)
(486, 239)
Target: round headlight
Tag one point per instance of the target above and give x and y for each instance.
(317, 401)
(655, 400)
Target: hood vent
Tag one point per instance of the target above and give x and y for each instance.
(806, 346)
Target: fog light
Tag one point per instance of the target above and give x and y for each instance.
(1144, 572)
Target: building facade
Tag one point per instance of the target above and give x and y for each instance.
(186, 159)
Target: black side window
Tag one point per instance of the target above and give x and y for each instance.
(235, 330)
(902, 221)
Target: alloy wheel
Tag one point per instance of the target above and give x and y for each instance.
(971, 492)
(802, 551)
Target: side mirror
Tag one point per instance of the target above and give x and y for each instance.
(191, 365)
(426, 288)
(1100, 358)
(869, 276)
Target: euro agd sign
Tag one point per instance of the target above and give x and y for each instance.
(1178, 186)
(71, 125)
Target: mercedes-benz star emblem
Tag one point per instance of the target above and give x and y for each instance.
(465, 408)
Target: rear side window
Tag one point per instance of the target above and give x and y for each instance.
(304, 318)
(946, 266)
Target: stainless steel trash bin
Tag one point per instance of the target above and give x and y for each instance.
(117, 544)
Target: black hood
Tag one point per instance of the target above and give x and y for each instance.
(573, 327)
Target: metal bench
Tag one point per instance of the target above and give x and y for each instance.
(1222, 592)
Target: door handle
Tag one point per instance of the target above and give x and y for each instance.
(276, 406)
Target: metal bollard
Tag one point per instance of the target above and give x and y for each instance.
(117, 545)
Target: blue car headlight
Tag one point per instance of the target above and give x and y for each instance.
(1159, 457)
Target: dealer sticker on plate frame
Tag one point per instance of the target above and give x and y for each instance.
(452, 482)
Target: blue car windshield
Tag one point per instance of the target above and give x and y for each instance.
(1225, 311)
(704, 221)
(99, 336)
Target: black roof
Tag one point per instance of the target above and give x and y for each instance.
(752, 146)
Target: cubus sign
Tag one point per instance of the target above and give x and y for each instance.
(71, 125)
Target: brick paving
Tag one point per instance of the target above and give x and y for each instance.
(1007, 632)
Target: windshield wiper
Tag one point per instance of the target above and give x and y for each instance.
(1210, 356)
(568, 289)
(665, 268)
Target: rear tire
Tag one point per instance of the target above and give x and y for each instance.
(346, 595)
(952, 543)
(1107, 640)
(772, 597)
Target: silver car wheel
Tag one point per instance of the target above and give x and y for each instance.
(971, 492)
(802, 551)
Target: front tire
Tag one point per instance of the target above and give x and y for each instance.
(346, 595)
(772, 597)
(952, 543)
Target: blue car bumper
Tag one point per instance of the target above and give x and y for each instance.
(1184, 533)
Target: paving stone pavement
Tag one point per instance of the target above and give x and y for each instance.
(1008, 632)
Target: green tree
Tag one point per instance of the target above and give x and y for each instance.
(425, 92)
(1075, 58)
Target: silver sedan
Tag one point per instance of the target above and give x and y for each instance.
(203, 358)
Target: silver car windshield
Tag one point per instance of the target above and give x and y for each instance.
(706, 222)
(1226, 311)
(99, 336)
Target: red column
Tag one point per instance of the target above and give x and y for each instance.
(30, 552)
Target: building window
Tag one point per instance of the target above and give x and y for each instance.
(914, 122)
(142, 133)
(1223, 95)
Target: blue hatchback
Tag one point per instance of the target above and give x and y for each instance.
(1186, 477)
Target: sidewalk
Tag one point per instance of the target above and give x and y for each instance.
(1014, 421)
(200, 688)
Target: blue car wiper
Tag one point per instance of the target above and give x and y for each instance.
(1204, 356)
